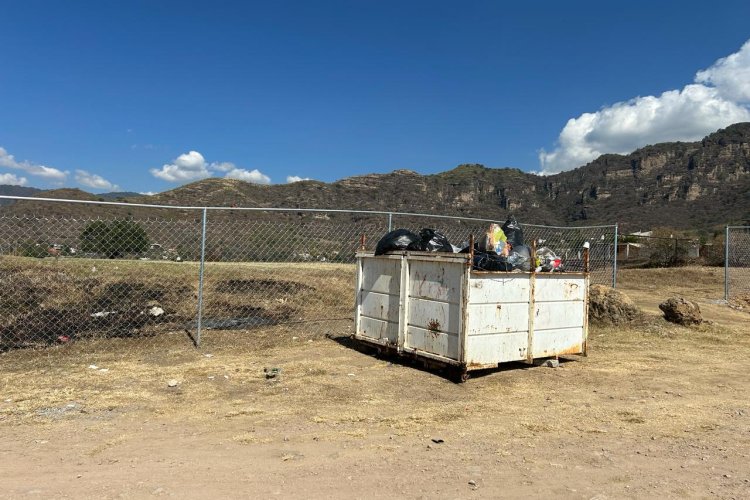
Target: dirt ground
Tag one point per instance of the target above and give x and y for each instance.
(655, 410)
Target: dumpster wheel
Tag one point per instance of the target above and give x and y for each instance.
(460, 375)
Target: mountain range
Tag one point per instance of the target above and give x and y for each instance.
(683, 185)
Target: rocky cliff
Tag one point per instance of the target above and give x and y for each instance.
(699, 185)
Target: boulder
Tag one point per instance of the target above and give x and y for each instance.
(608, 306)
(681, 311)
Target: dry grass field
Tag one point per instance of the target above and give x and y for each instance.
(655, 410)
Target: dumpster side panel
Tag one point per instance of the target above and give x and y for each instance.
(435, 280)
(382, 275)
(440, 317)
(378, 299)
(559, 315)
(491, 349)
(498, 318)
(434, 307)
(553, 315)
(559, 287)
(498, 288)
(498, 321)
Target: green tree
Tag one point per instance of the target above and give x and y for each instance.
(114, 239)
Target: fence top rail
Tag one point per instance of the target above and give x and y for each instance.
(738, 227)
(269, 209)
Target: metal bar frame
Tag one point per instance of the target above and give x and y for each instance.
(200, 279)
(614, 261)
(726, 264)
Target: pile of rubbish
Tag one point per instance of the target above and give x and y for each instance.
(501, 248)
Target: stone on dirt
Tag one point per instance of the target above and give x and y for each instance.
(681, 311)
(173, 383)
(608, 306)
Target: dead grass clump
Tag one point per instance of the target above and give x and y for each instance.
(268, 287)
(741, 302)
(608, 306)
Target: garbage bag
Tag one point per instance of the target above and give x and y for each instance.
(547, 260)
(398, 240)
(513, 231)
(520, 257)
(434, 241)
(490, 261)
(466, 248)
(493, 240)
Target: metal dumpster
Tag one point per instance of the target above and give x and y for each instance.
(433, 306)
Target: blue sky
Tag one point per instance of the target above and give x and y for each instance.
(145, 96)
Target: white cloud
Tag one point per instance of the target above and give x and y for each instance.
(193, 166)
(223, 166)
(730, 75)
(255, 176)
(719, 98)
(94, 181)
(148, 193)
(49, 173)
(13, 180)
(296, 178)
(186, 167)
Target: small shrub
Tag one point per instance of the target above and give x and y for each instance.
(114, 239)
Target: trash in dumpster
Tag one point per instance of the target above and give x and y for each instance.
(520, 257)
(428, 240)
(500, 248)
(490, 261)
(548, 261)
(513, 231)
(398, 239)
(435, 241)
(494, 240)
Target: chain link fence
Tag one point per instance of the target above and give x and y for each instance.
(737, 265)
(211, 277)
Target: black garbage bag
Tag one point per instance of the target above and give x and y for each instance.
(435, 241)
(398, 240)
(466, 248)
(513, 231)
(490, 261)
(520, 257)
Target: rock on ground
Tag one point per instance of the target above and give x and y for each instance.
(681, 311)
(608, 306)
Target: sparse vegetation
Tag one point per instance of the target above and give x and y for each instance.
(114, 239)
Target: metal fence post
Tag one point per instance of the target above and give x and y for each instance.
(614, 262)
(200, 278)
(390, 222)
(726, 264)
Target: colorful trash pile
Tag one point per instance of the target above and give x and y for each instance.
(500, 248)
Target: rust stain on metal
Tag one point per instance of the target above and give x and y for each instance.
(475, 365)
(570, 290)
(575, 349)
(433, 326)
(585, 260)
(470, 261)
(533, 312)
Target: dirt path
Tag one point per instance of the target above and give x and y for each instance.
(654, 411)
